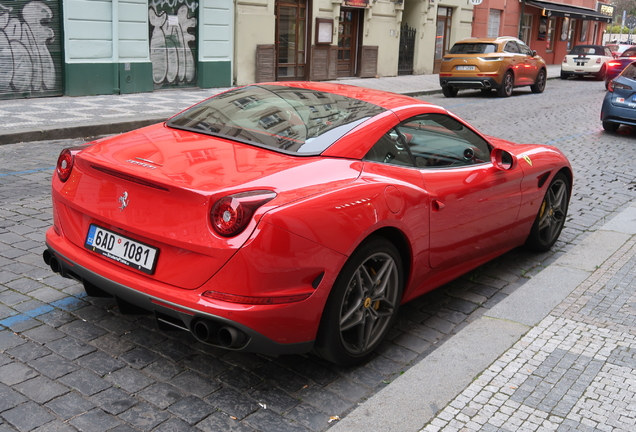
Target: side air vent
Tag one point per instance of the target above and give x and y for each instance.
(543, 178)
(129, 178)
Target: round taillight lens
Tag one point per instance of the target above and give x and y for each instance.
(231, 214)
(65, 164)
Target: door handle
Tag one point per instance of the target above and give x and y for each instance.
(438, 205)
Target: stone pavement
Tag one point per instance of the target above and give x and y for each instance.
(558, 354)
(74, 117)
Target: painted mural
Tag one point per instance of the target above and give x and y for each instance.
(173, 41)
(27, 39)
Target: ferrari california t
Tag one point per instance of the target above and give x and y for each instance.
(290, 217)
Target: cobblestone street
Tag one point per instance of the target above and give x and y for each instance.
(71, 362)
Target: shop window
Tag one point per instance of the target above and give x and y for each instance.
(571, 31)
(583, 35)
(550, 34)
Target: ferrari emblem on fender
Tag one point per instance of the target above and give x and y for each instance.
(527, 159)
(123, 201)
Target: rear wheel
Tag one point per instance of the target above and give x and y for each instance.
(551, 217)
(362, 305)
(601, 75)
(449, 91)
(506, 85)
(610, 127)
(539, 84)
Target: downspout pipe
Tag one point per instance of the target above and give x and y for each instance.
(115, 31)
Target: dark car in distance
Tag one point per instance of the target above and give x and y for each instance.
(616, 66)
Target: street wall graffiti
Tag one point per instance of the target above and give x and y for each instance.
(26, 64)
(173, 41)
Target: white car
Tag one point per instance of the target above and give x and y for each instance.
(586, 60)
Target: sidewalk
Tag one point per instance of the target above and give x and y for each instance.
(74, 117)
(558, 354)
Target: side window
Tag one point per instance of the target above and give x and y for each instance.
(390, 149)
(438, 141)
(523, 48)
(608, 53)
(511, 47)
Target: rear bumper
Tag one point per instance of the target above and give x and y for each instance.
(577, 70)
(615, 114)
(469, 83)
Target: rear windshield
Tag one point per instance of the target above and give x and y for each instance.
(287, 119)
(473, 48)
(588, 50)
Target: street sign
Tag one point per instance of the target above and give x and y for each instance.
(630, 22)
(476, 2)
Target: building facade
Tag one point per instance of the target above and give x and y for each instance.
(550, 28)
(329, 39)
(89, 47)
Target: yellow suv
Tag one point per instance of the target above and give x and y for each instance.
(501, 63)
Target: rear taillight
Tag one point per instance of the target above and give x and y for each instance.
(613, 85)
(565, 59)
(598, 60)
(65, 164)
(231, 214)
(613, 63)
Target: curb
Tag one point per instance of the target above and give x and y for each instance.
(414, 398)
(75, 131)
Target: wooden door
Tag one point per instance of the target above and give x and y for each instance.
(291, 38)
(348, 41)
(442, 36)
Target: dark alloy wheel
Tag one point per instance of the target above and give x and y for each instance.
(506, 85)
(602, 73)
(539, 84)
(610, 126)
(551, 217)
(362, 305)
(449, 92)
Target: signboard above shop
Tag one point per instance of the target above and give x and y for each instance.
(355, 3)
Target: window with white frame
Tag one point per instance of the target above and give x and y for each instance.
(526, 28)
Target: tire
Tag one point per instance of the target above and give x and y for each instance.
(507, 85)
(610, 126)
(449, 92)
(601, 75)
(362, 305)
(539, 84)
(564, 75)
(551, 217)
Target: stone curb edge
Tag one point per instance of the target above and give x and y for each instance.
(414, 398)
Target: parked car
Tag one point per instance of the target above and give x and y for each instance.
(280, 218)
(618, 49)
(502, 64)
(585, 60)
(619, 105)
(616, 66)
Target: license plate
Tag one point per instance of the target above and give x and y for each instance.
(122, 249)
(465, 67)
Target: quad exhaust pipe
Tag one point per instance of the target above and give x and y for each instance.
(51, 261)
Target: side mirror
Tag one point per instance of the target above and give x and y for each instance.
(502, 160)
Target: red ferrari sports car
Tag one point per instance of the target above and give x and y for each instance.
(288, 217)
